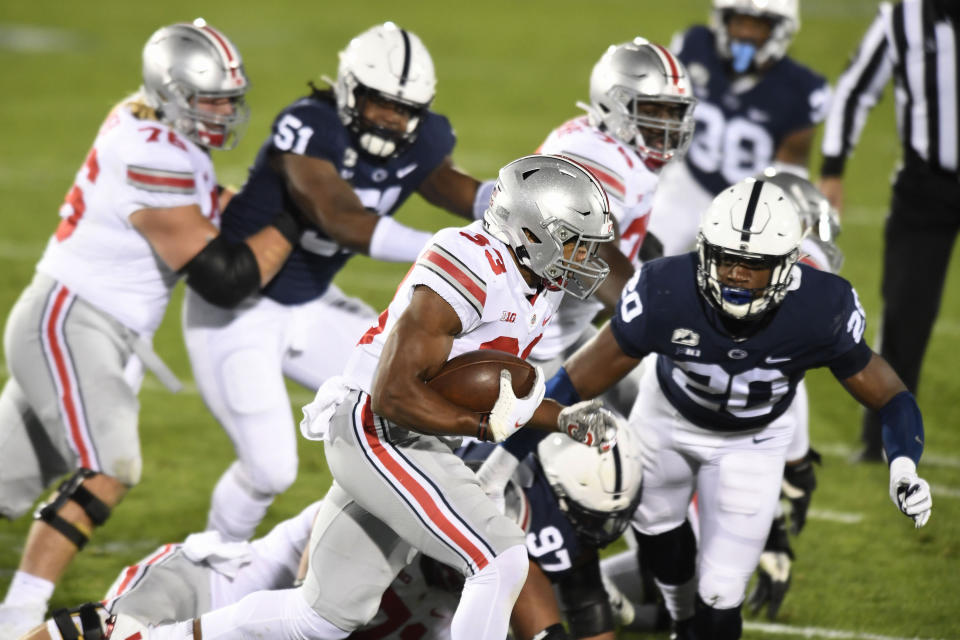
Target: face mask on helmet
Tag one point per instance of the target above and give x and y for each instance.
(553, 214)
(752, 34)
(598, 492)
(193, 76)
(385, 84)
(748, 245)
(640, 94)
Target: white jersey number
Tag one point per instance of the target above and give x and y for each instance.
(749, 394)
(737, 149)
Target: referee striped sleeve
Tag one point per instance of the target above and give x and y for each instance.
(858, 90)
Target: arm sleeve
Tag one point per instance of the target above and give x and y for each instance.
(902, 427)
(858, 90)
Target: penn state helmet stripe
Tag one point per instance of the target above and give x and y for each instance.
(617, 471)
(751, 210)
(406, 57)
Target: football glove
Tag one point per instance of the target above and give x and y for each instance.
(910, 492)
(773, 572)
(589, 423)
(799, 482)
(509, 413)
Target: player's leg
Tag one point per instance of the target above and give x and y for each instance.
(433, 501)
(73, 358)
(665, 540)
(918, 243)
(738, 490)
(311, 355)
(236, 360)
(677, 205)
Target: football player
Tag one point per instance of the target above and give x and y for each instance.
(570, 501)
(756, 107)
(640, 118)
(143, 211)
(343, 160)
(735, 326)
(389, 438)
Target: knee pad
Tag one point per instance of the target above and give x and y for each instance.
(86, 622)
(264, 480)
(72, 489)
(672, 556)
(585, 602)
(717, 624)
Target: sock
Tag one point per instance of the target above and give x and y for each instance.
(236, 508)
(679, 598)
(279, 615)
(488, 597)
(28, 590)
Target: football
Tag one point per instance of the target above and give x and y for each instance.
(472, 380)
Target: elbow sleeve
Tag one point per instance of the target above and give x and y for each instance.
(223, 273)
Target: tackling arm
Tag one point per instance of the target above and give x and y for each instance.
(450, 188)
(599, 364)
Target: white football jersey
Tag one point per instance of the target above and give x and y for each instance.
(96, 252)
(629, 185)
(410, 608)
(475, 273)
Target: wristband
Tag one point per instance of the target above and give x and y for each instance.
(483, 428)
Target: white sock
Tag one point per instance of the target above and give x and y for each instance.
(488, 597)
(236, 508)
(279, 615)
(28, 590)
(679, 598)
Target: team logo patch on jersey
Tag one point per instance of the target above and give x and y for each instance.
(379, 175)
(686, 337)
(737, 354)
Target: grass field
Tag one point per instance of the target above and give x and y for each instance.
(508, 73)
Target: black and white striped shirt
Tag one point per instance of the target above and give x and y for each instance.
(916, 42)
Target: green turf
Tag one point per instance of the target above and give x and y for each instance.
(508, 73)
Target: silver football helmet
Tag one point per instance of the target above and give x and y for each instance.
(390, 65)
(640, 94)
(820, 220)
(752, 223)
(598, 492)
(784, 16)
(543, 202)
(184, 63)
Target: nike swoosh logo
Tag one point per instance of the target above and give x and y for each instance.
(407, 170)
(757, 440)
(772, 360)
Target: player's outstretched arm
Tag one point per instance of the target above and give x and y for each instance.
(329, 202)
(450, 188)
(878, 387)
(596, 366)
(223, 273)
(414, 352)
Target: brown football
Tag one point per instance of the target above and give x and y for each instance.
(472, 379)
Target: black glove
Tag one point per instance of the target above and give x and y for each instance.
(798, 485)
(773, 572)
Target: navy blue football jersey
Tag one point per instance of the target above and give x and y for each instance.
(738, 131)
(551, 540)
(719, 382)
(311, 126)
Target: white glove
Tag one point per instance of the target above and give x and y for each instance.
(589, 423)
(910, 492)
(510, 413)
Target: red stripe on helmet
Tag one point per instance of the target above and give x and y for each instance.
(674, 70)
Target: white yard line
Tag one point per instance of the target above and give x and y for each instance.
(819, 632)
(835, 516)
(841, 450)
